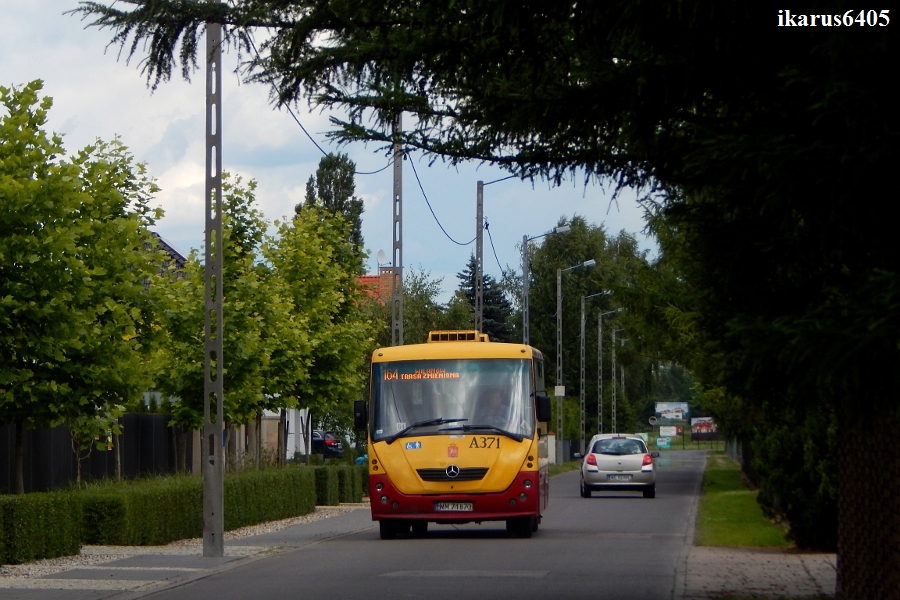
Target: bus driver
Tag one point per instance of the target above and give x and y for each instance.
(492, 410)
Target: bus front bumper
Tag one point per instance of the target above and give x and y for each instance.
(521, 499)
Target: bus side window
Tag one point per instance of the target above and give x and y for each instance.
(539, 386)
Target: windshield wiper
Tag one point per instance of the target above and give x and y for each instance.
(429, 422)
(494, 428)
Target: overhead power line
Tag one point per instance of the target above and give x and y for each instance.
(436, 220)
(297, 120)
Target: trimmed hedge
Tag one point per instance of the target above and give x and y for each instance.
(350, 483)
(42, 525)
(161, 510)
(255, 497)
(149, 512)
(327, 486)
(363, 474)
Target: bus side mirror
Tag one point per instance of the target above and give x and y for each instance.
(360, 415)
(543, 408)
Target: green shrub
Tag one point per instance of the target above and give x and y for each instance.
(37, 526)
(152, 511)
(165, 509)
(796, 461)
(362, 472)
(253, 497)
(148, 512)
(349, 484)
(327, 486)
(104, 518)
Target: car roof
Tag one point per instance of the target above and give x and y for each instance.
(606, 436)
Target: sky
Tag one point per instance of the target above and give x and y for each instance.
(97, 94)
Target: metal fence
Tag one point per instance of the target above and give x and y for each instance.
(147, 446)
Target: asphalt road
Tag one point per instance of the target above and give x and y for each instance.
(613, 545)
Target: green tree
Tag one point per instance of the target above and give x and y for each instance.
(309, 255)
(332, 189)
(497, 314)
(421, 311)
(73, 262)
(769, 161)
(258, 323)
(606, 288)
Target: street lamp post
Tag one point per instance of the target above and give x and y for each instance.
(581, 389)
(600, 367)
(559, 377)
(525, 278)
(615, 425)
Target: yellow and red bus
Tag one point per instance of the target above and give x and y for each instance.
(457, 431)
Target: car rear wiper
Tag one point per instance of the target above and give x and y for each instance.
(438, 421)
(508, 434)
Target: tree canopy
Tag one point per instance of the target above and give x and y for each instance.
(332, 189)
(74, 257)
(497, 313)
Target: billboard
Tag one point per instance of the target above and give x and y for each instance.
(703, 428)
(672, 411)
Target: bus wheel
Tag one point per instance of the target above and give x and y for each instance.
(387, 529)
(419, 528)
(521, 527)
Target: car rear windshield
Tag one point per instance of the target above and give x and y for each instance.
(619, 446)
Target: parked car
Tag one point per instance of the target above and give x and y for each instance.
(618, 461)
(327, 444)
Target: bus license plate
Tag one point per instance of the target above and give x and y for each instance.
(618, 477)
(453, 506)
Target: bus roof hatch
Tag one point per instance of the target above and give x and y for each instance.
(457, 336)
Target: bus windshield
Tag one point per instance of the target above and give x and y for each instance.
(446, 396)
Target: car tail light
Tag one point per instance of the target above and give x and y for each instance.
(591, 460)
(648, 460)
(330, 442)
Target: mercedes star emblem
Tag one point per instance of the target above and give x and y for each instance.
(452, 471)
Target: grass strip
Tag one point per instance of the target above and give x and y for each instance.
(729, 514)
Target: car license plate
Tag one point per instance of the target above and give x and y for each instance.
(453, 506)
(618, 477)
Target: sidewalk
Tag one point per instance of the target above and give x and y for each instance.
(713, 572)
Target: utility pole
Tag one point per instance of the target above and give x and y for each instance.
(600, 373)
(213, 466)
(560, 390)
(526, 279)
(600, 368)
(581, 390)
(581, 435)
(397, 264)
(479, 258)
(612, 380)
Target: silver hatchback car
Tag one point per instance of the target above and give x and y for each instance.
(618, 461)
